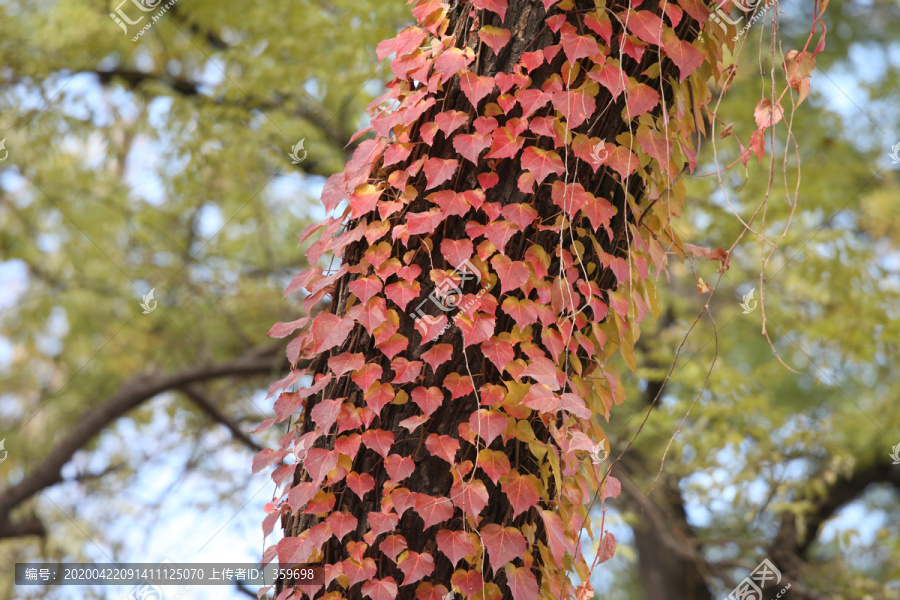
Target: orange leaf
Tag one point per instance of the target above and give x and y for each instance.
(494, 463)
(495, 37)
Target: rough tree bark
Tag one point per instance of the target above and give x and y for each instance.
(576, 162)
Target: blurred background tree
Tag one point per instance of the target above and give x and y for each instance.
(163, 164)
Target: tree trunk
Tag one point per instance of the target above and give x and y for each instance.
(356, 320)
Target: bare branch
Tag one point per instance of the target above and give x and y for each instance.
(133, 392)
(200, 400)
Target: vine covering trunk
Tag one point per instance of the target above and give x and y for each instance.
(494, 241)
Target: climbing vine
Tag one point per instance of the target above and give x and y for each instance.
(493, 240)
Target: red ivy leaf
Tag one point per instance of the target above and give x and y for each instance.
(428, 399)
(438, 354)
(344, 362)
(356, 572)
(470, 145)
(622, 160)
(471, 498)
(503, 544)
(685, 56)
(451, 120)
(532, 60)
(381, 589)
(611, 77)
(366, 375)
(392, 545)
(341, 524)
(468, 582)
(607, 547)
(379, 440)
(577, 46)
(504, 144)
(361, 484)
(576, 107)
(378, 395)
(424, 222)
(415, 566)
(646, 25)
(599, 211)
(399, 467)
(488, 180)
(495, 37)
(498, 352)
(442, 446)
(599, 23)
(405, 370)
(459, 385)
(439, 170)
(521, 490)
(300, 494)
(654, 144)
(542, 163)
(522, 215)
(319, 462)
(456, 251)
(522, 583)
(639, 98)
(402, 293)
(767, 114)
(476, 87)
(431, 328)
(451, 203)
(325, 413)
(451, 62)
(513, 274)
(496, 6)
(380, 522)
(696, 8)
(330, 330)
(432, 509)
(477, 329)
(454, 544)
(674, 12)
(280, 330)
(413, 423)
(394, 345)
(499, 233)
(488, 424)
